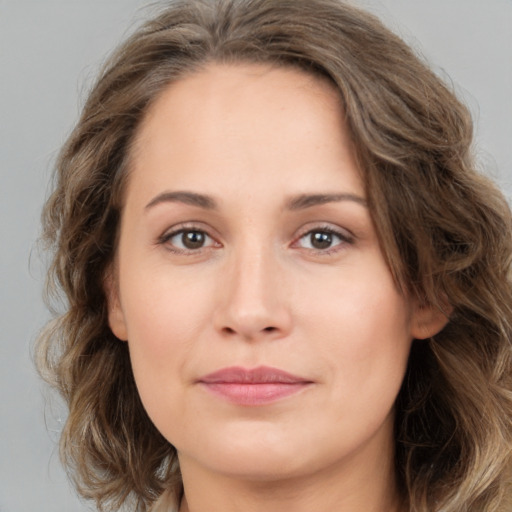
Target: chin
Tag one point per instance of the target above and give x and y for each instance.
(259, 466)
(257, 453)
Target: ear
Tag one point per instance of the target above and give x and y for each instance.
(428, 320)
(116, 319)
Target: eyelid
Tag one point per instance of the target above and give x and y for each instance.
(346, 237)
(343, 234)
(173, 231)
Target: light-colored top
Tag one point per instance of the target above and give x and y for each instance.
(166, 503)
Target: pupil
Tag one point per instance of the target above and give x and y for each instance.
(321, 240)
(193, 239)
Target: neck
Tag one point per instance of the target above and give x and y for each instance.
(356, 484)
(292, 496)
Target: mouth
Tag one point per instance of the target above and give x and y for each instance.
(251, 387)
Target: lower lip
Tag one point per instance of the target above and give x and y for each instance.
(255, 393)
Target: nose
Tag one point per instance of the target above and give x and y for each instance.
(254, 304)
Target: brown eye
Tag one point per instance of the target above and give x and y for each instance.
(193, 239)
(187, 240)
(321, 239)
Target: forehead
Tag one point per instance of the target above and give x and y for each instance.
(215, 93)
(245, 121)
(233, 81)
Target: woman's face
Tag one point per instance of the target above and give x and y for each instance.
(266, 334)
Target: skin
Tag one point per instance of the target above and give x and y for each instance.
(261, 291)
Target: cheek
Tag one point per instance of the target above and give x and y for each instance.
(363, 309)
(166, 310)
(164, 320)
(363, 330)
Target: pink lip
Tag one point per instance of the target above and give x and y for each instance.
(257, 386)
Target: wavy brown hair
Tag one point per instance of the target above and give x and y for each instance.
(444, 229)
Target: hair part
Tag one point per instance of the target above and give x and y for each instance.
(444, 229)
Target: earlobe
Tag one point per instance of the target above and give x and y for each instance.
(116, 319)
(428, 320)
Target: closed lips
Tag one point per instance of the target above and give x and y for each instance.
(258, 386)
(260, 375)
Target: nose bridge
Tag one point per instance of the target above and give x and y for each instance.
(253, 302)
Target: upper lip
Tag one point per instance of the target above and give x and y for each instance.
(259, 375)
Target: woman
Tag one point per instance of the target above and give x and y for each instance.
(287, 287)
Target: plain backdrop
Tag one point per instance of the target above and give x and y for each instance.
(50, 51)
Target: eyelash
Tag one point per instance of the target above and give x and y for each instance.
(344, 238)
(168, 236)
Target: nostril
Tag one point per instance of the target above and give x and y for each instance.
(230, 331)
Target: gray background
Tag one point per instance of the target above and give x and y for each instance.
(49, 52)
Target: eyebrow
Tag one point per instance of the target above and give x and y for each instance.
(191, 198)
(300, 202)
(304, 201)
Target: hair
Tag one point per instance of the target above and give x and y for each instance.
(444, 229)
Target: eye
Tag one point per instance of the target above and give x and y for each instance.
(322, 239)
(187, 239)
